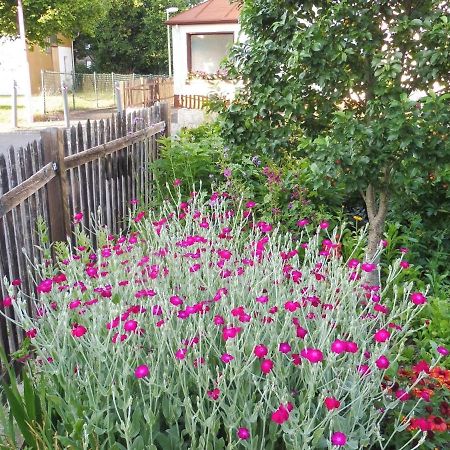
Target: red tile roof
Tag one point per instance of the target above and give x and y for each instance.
(209, 12)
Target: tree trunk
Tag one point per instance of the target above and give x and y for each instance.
(377, 212)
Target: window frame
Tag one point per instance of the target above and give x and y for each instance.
(202, 33)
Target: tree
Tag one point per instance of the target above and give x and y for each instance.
(45, 18)
(132, 37)
(361, 88)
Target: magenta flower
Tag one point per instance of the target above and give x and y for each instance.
(331, 403)
(214, 394)
(284, 347)
(382, 362)
(175, 300)
(324, 225)
(7, 302)
(250, 204)
(130, 325)
(418, 299)
(353, 263)
(404, 264)
(243, 433)
(262, 299)
(338, 439)
(351, 347)
(264, 227)
(226, 358)
(78, 331)
(301, 332)
(141, 371)
(368, 267)
(260, 351)
(443, 351)
(303, 222)
(78, 217)
(180, 353)
(313, 355)
(402, 395)
(266, 366)
(382, 335)
(176, 182)
(363, 369)
(282, 413)
(338, 346)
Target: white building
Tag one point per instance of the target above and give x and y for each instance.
(201, 38)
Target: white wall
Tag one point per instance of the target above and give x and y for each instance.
(12, 65)
(180, 59)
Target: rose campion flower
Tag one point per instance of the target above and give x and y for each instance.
(78, 331)
(78, 217)
(313, 355)
(282, 413)
(418, 298)
(266, 366)
(284, 347)
(443, 351)
(243, 433)
(382, 335)
(303, 222)
(368, 267)
(402, 395)
(338, 346)
(176, 182)
(382, 362)
(324, 225)
(260, 351)
(130, 325)
(141, 371)
(331, 403)
(338, 439)
(226, 358)
(7, 302)
(213, 394)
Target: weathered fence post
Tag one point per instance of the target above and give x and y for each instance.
(165, 116)
(57, 188)
(14, 105)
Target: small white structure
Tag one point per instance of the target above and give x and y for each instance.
(201, 38)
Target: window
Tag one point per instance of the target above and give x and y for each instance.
(206, 51)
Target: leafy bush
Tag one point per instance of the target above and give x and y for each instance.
(206, 329)
(191, 158)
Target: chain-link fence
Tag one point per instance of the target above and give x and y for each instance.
(85, 91)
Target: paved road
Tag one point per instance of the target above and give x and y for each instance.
(16, 139)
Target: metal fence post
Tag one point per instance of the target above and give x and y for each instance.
(43, 89)
(95, 88)
(66, 104)
(14, 105)
(118, 98)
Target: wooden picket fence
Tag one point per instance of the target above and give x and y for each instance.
(145, 92)
(96, 169)
(190, 101)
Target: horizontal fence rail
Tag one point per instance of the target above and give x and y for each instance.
(95, 169)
